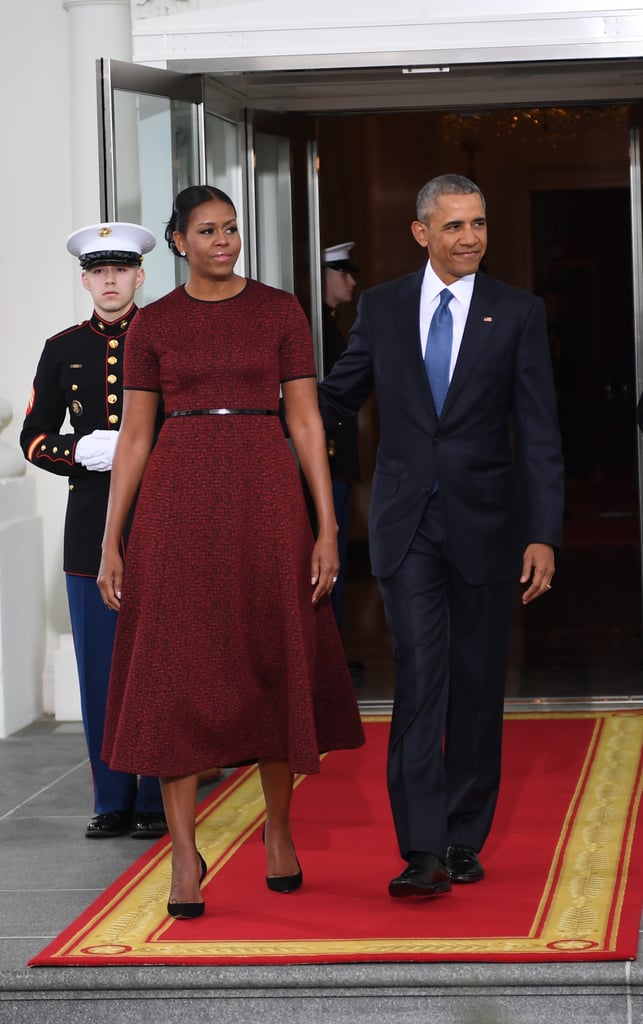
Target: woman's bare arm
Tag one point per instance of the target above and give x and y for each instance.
(307, 434)
(134, 444)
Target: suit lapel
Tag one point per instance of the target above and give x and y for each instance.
(408, 314)
(408, 320)
(480, 323)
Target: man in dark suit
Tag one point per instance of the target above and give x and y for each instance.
(467, 495)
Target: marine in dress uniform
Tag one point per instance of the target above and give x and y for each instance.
(341, 440)
(79, 375)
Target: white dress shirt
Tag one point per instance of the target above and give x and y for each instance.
(462, 290)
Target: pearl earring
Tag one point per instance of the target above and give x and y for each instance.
(182, 252)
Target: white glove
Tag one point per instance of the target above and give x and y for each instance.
(95, 451)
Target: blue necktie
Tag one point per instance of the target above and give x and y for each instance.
(437, 357)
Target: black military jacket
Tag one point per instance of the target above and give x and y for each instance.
(342, 440)
(80, 374)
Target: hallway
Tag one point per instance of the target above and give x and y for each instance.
(581, 642)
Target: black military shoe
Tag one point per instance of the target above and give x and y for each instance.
(108, 826)
(148, 825)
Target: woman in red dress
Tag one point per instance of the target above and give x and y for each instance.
(226, 649)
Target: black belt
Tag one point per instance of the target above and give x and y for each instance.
(223, 412)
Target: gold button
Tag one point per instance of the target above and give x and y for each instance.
(112, 399)
(112, 378)
(66, 451)
(43, 447)
(71, 487)
(112, 360)
(55, 449)
(113, 342)
(74, 387)
(113, 418)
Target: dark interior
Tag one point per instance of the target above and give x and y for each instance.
(557, 183)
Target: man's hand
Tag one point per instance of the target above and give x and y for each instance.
(95, 451)
(538, 569)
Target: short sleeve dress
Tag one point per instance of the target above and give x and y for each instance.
(220, 656)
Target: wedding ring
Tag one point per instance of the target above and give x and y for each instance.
(335, 578)
(548, 586)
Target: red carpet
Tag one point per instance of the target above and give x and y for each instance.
(564, 866)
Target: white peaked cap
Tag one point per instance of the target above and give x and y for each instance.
(111, 242)
(338, 256)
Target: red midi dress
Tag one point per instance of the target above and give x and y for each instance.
(220, 658)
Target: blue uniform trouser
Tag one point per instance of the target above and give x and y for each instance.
(93, 627)
(341, 502)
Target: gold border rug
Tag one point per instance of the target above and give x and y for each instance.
(564, 866)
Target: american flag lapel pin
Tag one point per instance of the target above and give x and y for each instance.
(487, 319)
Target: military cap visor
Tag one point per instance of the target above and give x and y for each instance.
(111, 256)
(342, 265)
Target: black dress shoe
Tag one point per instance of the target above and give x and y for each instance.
(107, 826)
(148, 825)
(426, 875)
(463, 864)
(189, 911)
(186, 911)
(283, 883)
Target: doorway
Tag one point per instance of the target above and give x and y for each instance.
(540, 168)
(557, 184)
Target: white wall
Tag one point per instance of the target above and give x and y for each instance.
(48, 187)
(36, 278)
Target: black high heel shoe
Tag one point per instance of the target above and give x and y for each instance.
(283, 883)
(188, 911)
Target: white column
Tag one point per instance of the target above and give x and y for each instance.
(98, 28)
(22, 602)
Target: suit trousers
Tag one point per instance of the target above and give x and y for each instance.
(93, 627)
(450, 644)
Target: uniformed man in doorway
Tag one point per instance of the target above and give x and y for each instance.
(79, 375)
(338, 284)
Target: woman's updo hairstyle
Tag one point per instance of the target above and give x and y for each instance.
(185, 202)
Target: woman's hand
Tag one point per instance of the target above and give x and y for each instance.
(324, 565)
(307, 433)
(110, 579)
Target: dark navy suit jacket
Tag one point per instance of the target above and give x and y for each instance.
(495, 449)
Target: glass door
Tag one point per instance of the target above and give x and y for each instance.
(636, 190)
(283, 176)
(163, 131)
